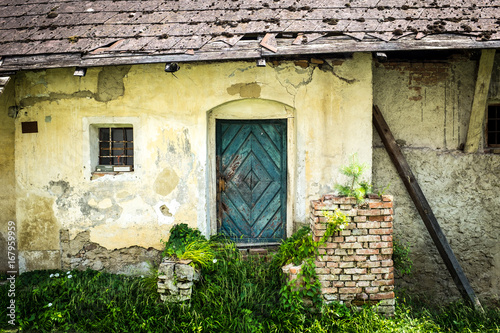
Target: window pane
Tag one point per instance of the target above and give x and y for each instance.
(103, 134)
(105, 161)
(117, 134)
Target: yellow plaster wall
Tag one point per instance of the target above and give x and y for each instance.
(332, 120)
(7, 178)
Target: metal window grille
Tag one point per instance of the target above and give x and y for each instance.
(116, 146)
(493, 126)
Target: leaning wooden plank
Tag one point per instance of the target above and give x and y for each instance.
(479, 103)
(424, 210)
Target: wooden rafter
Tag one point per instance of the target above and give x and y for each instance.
(479, 104)
(424, 210)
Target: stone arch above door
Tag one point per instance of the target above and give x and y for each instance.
(250, 109)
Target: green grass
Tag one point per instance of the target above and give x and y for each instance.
(233, 296)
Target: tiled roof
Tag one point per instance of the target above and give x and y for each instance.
(80, 32)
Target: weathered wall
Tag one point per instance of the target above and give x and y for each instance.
(7, 171)
(169, 115)
(427, 107)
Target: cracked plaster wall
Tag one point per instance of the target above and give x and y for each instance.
(427, 106)
(169, 113)
(7, 171)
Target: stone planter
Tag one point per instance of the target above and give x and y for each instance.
(356, 267)
(175, 280)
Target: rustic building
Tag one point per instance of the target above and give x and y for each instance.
(120, 118)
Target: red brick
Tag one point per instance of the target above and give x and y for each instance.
(369, 238)
(354, 258)
(330, 245)
(387, 263)
(331, 258)
(388, 218)
(345, 278)
(376, 218)
(350, 283)
(356, 271)
(345, 232)
(367, 251)
(368, 225)
(375, 204)
(320, 226)
(345, 207)
(387, 238)
(328, 277)
(367, 277)
(363, 283)
(326, 271)
(386, 250)
(347, 290)
(378, 296)
(320, 264)
(369, 264)
(386, 288)
(371, 290)
(336, 270)
(389, 276)
(386, 225)
(369, 212)
(340, 252)
(347, 264)
(325, 284)
(329, 290)
(350, 246)
(380, 257)
(379, 245)
(386, 211)
(387, 205)
(381, 231)
(359, 218)
(321, 251)
(377, 283)
(387, 198)
(332, 264)
(382, 270)
(338, 284)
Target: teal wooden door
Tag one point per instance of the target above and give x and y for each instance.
(251, 184)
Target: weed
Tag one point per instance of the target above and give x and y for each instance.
(401, 257)
(356, 187)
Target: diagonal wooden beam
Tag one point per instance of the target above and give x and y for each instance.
(479, 103)
(424, 210)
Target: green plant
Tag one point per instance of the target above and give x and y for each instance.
(336, 221)
(356, 187)
(180, 235)
(186, 243)
(301, 248)
(401, 257)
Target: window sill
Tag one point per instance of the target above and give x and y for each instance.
(492, 151)
(99, 174)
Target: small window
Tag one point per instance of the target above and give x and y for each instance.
(493, 127)
(116, 149)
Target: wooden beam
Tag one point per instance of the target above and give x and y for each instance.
(479, 103)
(424, 210)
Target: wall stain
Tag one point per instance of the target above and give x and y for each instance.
(166, 182)
(110, 83)
(38, 227)
(245, 90)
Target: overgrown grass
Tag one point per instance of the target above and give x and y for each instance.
(233, 296)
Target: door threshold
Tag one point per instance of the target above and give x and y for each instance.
(253, 245)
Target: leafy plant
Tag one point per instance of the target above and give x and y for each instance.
(401, 257)
(356, 187)
(188, 243)
(301, 248)
(336, 221)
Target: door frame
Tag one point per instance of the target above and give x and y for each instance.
(251, 109)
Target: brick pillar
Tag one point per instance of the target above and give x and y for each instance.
(356, 267)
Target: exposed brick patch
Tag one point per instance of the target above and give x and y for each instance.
(361, 271)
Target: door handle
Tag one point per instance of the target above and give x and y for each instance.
(222, 184)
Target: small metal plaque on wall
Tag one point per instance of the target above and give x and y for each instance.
(29, 127)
